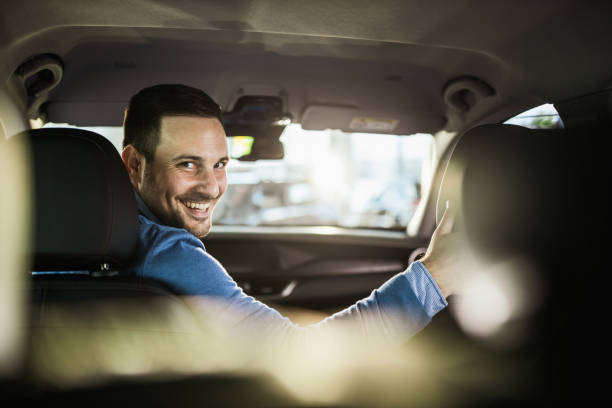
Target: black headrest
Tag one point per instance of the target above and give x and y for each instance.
(512, 188)
(85, 210)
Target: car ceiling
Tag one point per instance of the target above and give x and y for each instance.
(384, 59)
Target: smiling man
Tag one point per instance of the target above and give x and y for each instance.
(184, 177)
(176, 155)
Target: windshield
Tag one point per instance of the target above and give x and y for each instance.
(326, 178)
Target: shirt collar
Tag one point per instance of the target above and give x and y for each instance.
(144, 210)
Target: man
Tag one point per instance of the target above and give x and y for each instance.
(176, 155)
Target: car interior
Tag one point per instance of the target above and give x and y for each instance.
(528, 198)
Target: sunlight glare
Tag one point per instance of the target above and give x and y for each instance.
(495, 295)
(329, 175)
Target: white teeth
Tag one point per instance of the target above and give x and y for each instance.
(199, 206)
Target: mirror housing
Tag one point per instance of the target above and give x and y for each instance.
(262, 118)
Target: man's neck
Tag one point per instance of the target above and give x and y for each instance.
(144, 210)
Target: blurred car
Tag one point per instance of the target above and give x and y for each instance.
(274, 203)
(394, 206)
(376, 75)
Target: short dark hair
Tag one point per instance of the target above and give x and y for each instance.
(142, 118)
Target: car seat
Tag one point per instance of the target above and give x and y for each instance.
(85, 225)
(514, 193)
(96, 337)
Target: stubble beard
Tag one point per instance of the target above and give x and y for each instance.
(172, 217)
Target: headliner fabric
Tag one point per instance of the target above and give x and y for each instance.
(85, 211)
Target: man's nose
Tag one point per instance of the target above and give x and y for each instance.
(208, 183)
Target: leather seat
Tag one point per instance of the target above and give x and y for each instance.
(513, 189)
(85, 210)
(85, 220)
(514, 194)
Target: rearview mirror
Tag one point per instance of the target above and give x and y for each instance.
(261, 118)
(264, 148)
(252, 142)
(257, 110)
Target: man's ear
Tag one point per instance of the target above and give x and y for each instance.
(134, 163)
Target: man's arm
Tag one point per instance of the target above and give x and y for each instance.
(397, 310)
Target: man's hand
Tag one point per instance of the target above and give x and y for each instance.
(448, 258)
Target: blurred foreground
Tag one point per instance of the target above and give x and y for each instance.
(158, 351)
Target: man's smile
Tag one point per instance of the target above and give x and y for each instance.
(200, 209)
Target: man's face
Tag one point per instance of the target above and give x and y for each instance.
(187, 176)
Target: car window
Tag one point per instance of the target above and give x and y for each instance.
(541, 117)
(328, 178)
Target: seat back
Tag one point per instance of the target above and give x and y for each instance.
(513, 189)
(85, 210)
(514, 194)
(85, 221)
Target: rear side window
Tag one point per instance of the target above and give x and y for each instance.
(541, 117)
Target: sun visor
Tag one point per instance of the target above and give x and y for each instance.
(351, 119)
(85, 113)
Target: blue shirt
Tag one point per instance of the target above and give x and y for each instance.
(395, 311)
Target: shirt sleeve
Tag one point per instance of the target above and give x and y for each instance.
(397, 310)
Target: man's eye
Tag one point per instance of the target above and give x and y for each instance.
(187, 165)
(220, 165)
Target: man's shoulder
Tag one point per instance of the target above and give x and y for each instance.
(178, 258)
(159, 241)
(152, 232)
(162, 245)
